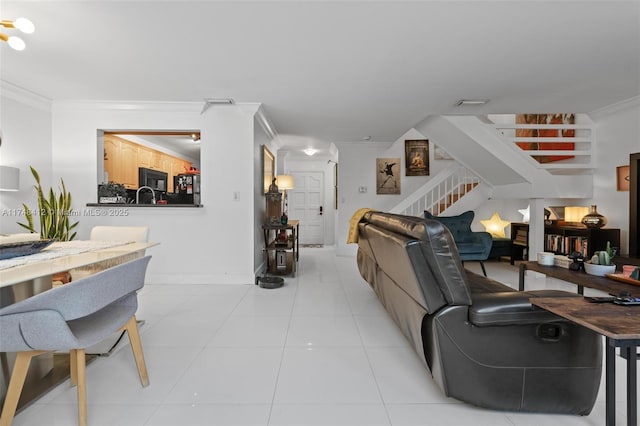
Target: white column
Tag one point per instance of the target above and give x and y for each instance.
(536, 227)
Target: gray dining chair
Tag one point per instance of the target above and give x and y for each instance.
(71, 318)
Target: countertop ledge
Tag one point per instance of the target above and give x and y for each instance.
(122, 205)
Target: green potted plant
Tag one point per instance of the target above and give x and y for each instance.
(112, 192)
(601, 262)
(53, 212)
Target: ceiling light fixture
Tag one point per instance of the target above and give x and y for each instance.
(21, 24)
(309, 151)
(463, 102)
(222, 101)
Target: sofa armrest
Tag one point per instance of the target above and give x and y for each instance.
(485, 240)
(512, 308)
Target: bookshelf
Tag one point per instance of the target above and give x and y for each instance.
(563, 239)
(519, 241)
(567, 239)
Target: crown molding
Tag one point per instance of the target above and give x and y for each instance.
(22, 95)
(615, 108)
(130, 105)
(265, 123)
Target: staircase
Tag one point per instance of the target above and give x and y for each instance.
(570, 144)
(442, 192)
(492, 162)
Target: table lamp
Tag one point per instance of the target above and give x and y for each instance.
(284, 182)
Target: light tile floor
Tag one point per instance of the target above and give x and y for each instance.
(319, 351)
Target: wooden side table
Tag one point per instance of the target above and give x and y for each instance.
(621, 327)
(282, 240)
(579, 278)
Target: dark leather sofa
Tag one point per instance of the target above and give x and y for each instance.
(482, 341)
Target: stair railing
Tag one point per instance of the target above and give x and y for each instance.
(541, 142)
(439, 193)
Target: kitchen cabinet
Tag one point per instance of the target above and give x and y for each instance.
(123, 158)
(178, 166)
(156, 157)
(129, 162)
(144, 157)
(112, 165)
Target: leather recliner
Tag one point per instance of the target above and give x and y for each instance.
(482, 341)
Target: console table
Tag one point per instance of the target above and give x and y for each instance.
(580, 278)
(621, 327)
(288, 247)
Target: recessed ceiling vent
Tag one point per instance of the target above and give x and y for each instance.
(468, 102)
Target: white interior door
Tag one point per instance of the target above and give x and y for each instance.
(305, 205)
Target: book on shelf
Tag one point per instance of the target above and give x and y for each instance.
(521, 236)
(566, 244)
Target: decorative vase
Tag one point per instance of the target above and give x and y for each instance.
(594, 219)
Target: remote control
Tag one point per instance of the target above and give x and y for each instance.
(627, 301)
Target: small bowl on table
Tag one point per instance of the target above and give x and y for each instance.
(599, 270)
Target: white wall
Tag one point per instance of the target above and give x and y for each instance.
(25, 121)
(261, 137)
(618, 135)
(358, 169)
(213, 244)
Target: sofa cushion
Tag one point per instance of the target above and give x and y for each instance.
(441, 254)
(470, 248)
(459, 226)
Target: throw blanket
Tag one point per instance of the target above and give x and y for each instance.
(352, 238)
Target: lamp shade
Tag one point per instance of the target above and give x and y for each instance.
(285, 181)
(9, 178)
(575, 214)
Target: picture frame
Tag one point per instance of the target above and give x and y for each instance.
(268, 168)
(440, 154)
(388, 176)
(416, 157)
(623, 177)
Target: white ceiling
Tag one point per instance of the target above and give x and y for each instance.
(329, 71)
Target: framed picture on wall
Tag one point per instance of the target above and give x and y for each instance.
(623, 177)
(268, 168)
(387, 176)
(416, 157)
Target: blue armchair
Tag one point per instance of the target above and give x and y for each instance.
(471, 245)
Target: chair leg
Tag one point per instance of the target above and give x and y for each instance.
(73, 370)
(136, 346)
(484, 271)
(78, 359)
(20, 369)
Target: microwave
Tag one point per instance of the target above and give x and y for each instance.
(154, 179)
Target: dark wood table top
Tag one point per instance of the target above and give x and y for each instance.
(615, 321)
(582, 278)
(292, 223)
